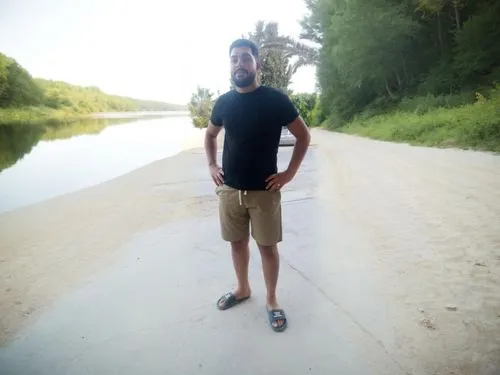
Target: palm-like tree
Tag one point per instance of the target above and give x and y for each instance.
(311, 24)
(277, 51)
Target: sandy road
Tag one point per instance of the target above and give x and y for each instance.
(428, 225)
(390, 266)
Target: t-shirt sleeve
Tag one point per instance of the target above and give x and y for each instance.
(216, 116)
(287, 112)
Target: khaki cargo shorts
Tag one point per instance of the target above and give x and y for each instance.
(238, 209)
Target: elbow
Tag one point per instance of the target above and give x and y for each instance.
(209, 137)
(305, 138)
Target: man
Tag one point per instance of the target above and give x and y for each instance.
(248, 185)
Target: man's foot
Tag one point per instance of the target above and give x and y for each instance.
(231, 299)
(276, 316)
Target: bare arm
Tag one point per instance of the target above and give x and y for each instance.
(211, 143)
(299, 129)
(211, 150)
(303, 138)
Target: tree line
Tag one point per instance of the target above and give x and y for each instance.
(18, 89)
(280, 57)
(377, 56)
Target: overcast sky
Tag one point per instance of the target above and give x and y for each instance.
(151, 49)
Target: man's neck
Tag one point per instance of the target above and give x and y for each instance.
(243, 90)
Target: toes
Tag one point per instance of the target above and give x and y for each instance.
(222, 302)
(278, 323)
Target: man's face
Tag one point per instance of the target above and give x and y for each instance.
(243, 66)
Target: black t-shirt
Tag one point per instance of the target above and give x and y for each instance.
(253, 122)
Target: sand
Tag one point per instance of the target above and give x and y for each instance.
(430, 220)
(46, 249)
(423, 224)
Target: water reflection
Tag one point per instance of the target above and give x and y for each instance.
(18, 140)
(15, 142)
(41, 162)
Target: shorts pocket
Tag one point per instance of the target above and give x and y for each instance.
(266, 201)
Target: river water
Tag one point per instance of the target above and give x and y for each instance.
(84, 154)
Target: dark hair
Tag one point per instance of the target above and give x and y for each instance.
(245, 43)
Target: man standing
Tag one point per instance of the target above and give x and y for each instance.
(248, 184)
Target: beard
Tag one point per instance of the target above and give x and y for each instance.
(242, 78)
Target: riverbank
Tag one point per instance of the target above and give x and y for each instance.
(405, 285)
(37, 116)
(78, 239)
(472, 126)
(45, 116)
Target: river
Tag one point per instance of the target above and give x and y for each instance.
(39, 165)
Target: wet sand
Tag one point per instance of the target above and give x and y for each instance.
(390, 265)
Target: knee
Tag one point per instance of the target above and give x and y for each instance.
(240, 244)
(268, 251)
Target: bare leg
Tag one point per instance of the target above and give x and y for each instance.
(270, 267)
(241, 257)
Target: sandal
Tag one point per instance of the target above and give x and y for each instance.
(230, 300)
(275, 315)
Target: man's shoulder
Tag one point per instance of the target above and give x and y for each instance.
(227, 94)
(223, 98)
(280, 102)
(274, 93)
(272, 90)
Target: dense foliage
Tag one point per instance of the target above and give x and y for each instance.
(17, 87)
(18, 90)
(308, 106)
(374, 54)
(200, 107)
(92, 99)
(276, 69)
(436, 123)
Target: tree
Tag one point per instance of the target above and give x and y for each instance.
(17, 87)
(354, 69)
(477, 50)
(200, 107)
(4, 80)
(306, 104)
(281, 55)
(374, 53)
(311, 23)
(276, 70)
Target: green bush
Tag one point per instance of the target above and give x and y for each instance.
(424, 104)
(306, 104)
(474, 125)
(317, 115)
(200, 107)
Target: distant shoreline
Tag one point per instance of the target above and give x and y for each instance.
(137, 114)
(121, 195)
(34, 116)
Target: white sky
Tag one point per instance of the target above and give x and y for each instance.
(148, 49)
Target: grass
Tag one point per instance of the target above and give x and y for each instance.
(37, 116)
(469, 126)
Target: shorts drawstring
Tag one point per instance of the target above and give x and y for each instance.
(239, 195)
